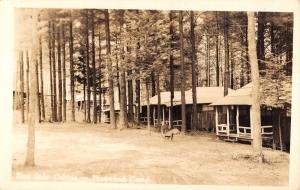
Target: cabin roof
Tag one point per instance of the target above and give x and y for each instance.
(240, 96)
(165, 98)
(205, 95)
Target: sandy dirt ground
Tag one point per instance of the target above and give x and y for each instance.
(77, 151)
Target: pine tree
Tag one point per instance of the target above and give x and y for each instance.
(183, 110)
(109, 71)
(59, 69)
(194, 82)
(54, 73)
(257, 141)
(37, 90)
(171, 68)
(123, 104)
(226, 46)
(50, 69)
(21, 61)
(217, 52)
(27, 83)
(33, 109)
(100, 77)
(94, 69)
(88, 84)
(41, 78)
(72, 82)
(64, 100)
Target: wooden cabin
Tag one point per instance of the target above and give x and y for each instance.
(233, 115)
(206, 114)
(165, 109)
(105, 116)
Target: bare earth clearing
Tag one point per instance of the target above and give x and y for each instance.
(98, 153)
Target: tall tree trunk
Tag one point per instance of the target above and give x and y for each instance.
(100, 78)
(260, 47)
(37, 89)
(17, 83)
(41, 79)
(54, 74)
(148, 105)
(27, 83)
(123, 110)
(21, 61)
(123, 105)
(94, 70)
(208, 60)
(171, 69)
(242, 64)
(88, 86)
(183, 111)
(257, 139)
(118, 74)
(137, 90)
(130, 97)
(280, 131)
(84, 99)
(242, 69)
(194, 82)
(64, 114)
(158, 102)
(137, 80)
(59, 74)
(72, 85)
(153, 91)
(33, 109)
(289, 50)
(232, 68)
(248, 67)
(217, 53)
(50, 69)
(226, 46)
(110, 74)
(221, 65)
(272, 38)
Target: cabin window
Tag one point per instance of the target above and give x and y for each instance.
(266, 116)
(222, 115)
(244, 116)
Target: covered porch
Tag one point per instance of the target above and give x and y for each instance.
(234, 117)
(233, 123)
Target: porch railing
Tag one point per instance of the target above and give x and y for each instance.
(243, 132)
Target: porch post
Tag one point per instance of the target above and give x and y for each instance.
(163, 109)
(217, 131)
(154, 116)
(227, 119)
(251, 123)
(169, 117)
(237, 120)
